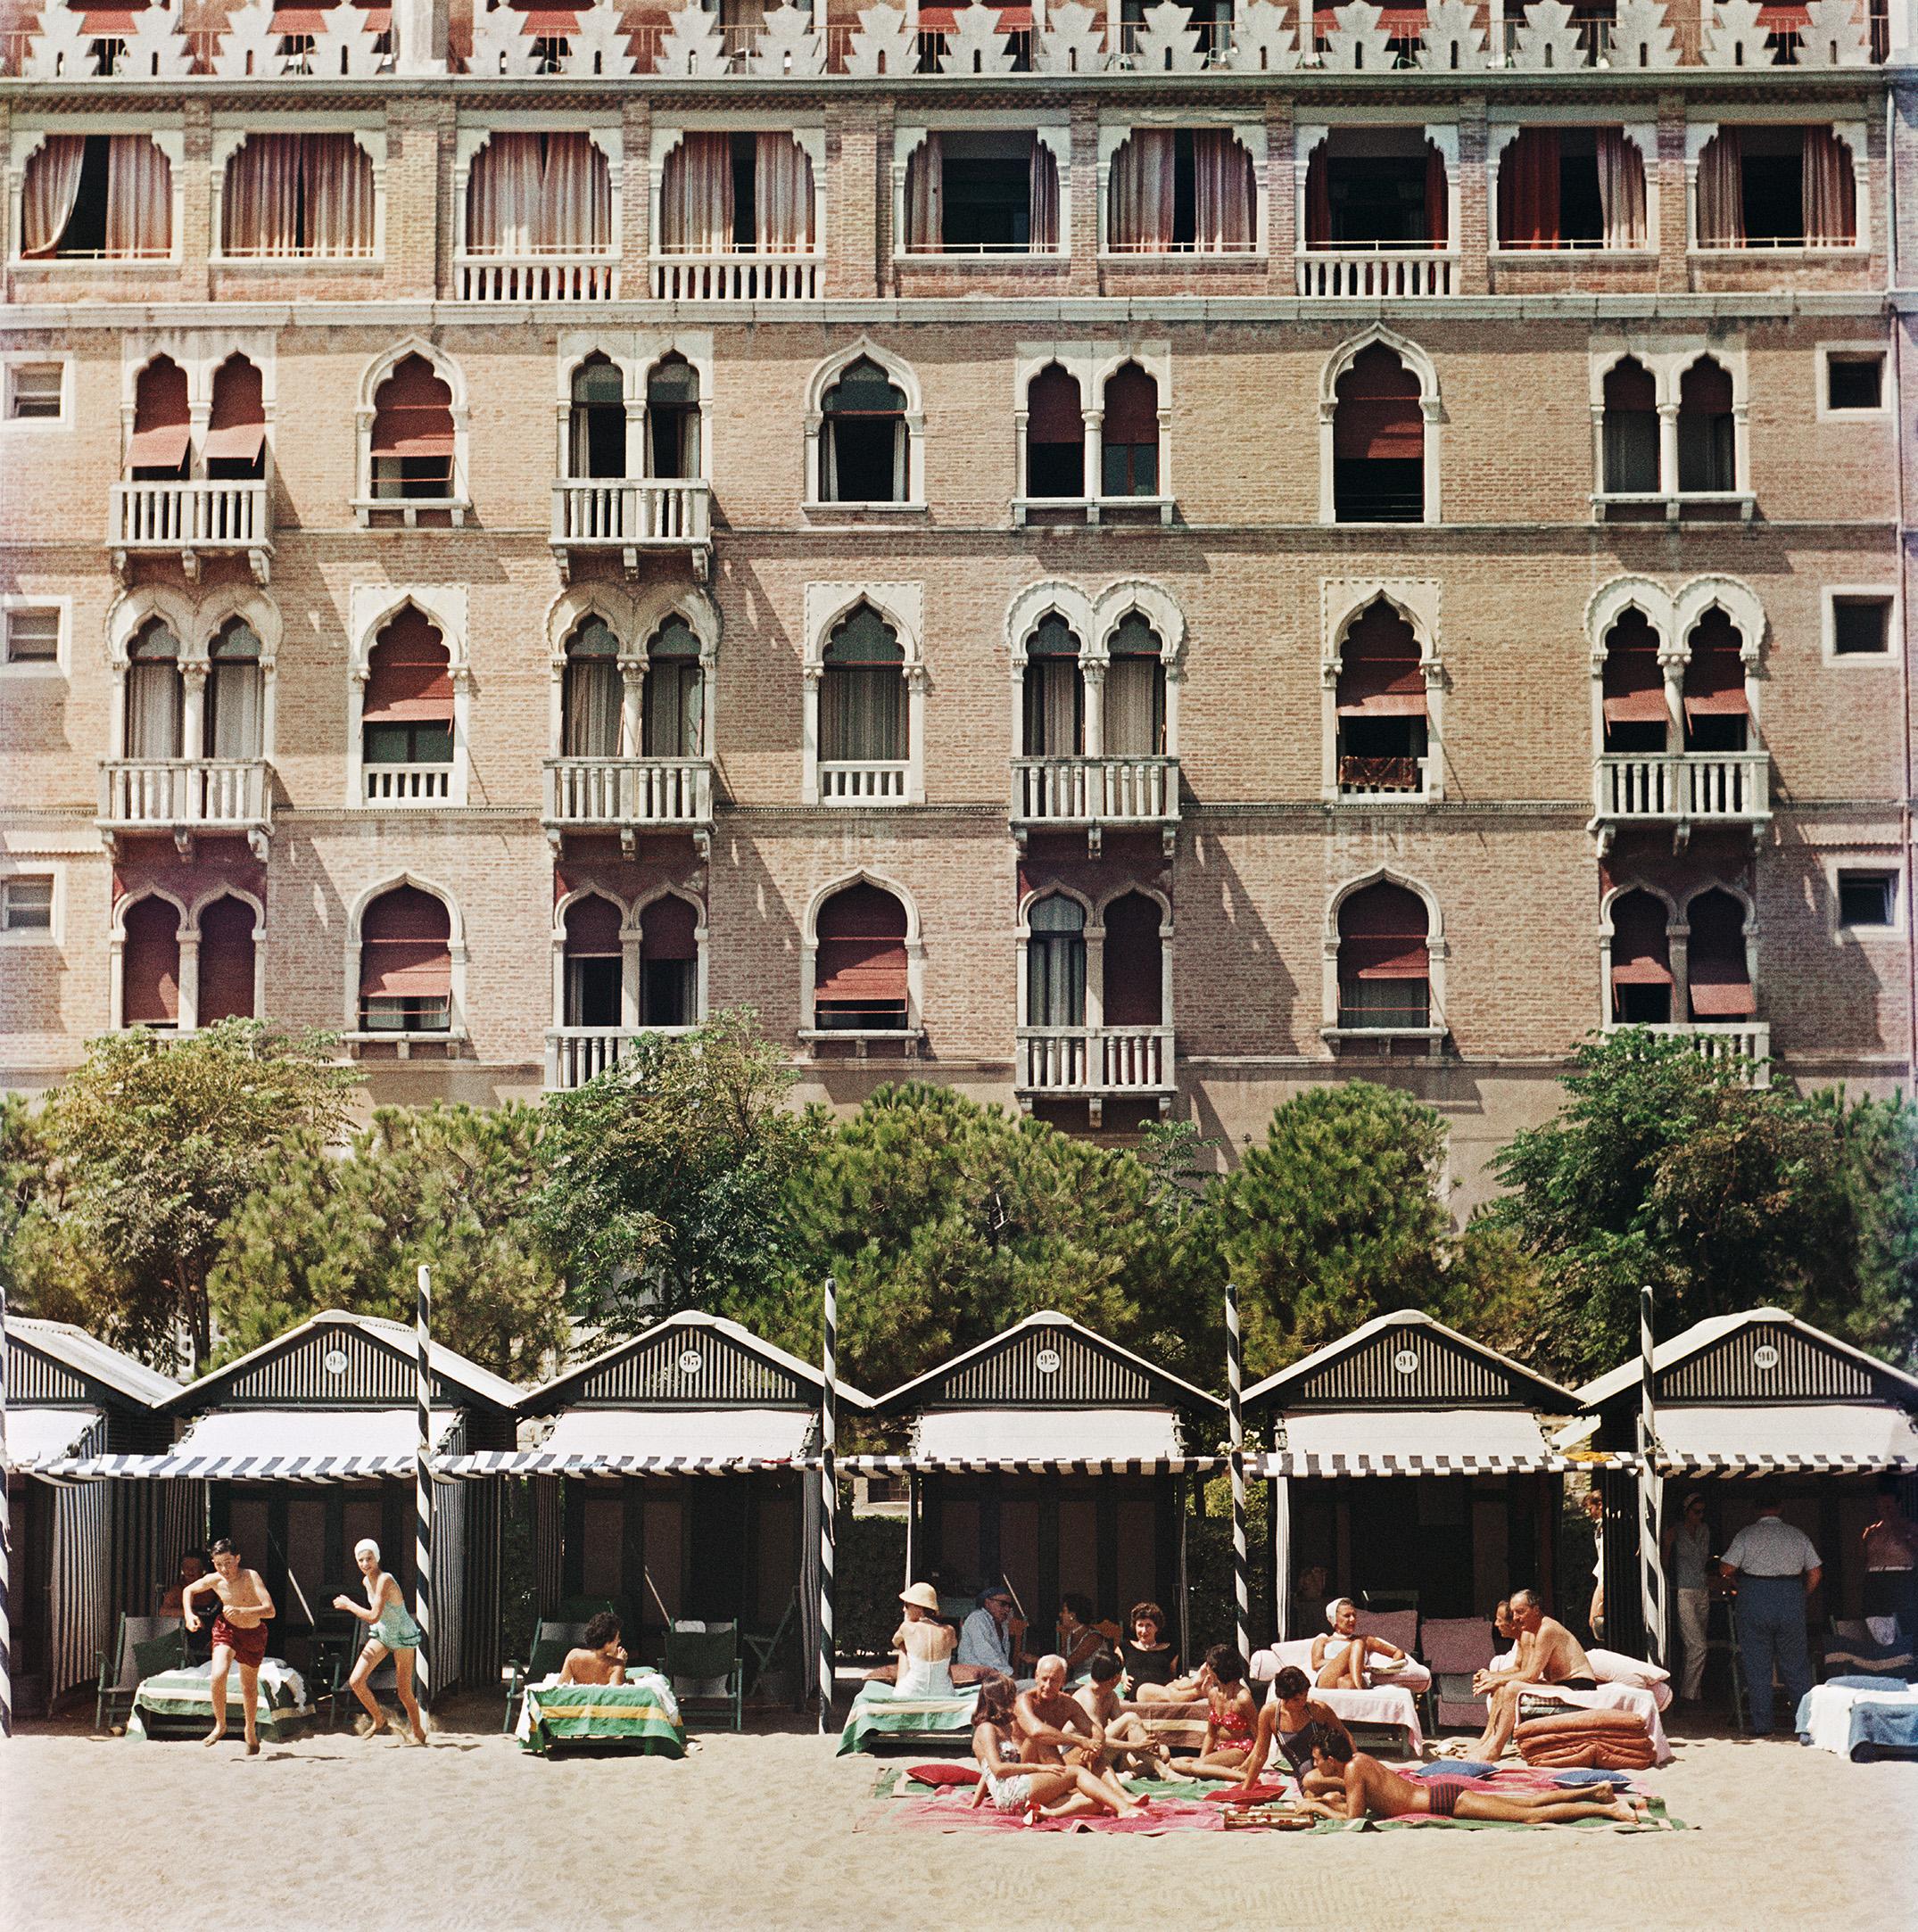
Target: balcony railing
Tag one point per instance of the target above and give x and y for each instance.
(632, 513)
(409, 784)
(743, 277)
(863, 782)
(1728, 786)
(586, 792)
(1094, 1060)
(190, 518)
(183, 794)
(1094, 791)
(1748, 1040)
(577, 1054)
(583, 277)
(1393, 777)
(1382, 269)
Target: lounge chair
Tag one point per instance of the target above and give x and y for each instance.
(550, 1642)
(1454, 1648)
(701, 1655)
(764, 1648)
(1388, 1710)
(174, 1696)
(119, 1673)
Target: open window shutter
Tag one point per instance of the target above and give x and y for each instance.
(159, 418)
(592, 929)
(1642, 954)
(238, 426)
(1378, 417)
(405, 950)
(150, 966)
(410, 676)
(413, 413)
(1382, 935)
(1381, 674)
(225, 961)
(669, 928)
(861, 950)
(1721, 985)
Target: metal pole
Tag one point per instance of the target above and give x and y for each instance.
(1651, 1584)
(828, 1502)
(423, 1483)
(1236, 1437)
(6, 1552)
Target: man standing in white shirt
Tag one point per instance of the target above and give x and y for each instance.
(1776, 1569)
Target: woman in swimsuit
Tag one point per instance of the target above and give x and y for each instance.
(1034, 1791)
(1290, 1718)
(1234, 1720)
(1152, 1664)
(1342, 1658)
(1080, 1641)
(390, 1629)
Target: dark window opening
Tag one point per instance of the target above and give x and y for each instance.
(673, 419)
(1861, 626)
(1382, 754)
(1383, 964)
(1129, 437)
(860, 971)
(863, 440)
(1707, 435)
(667, 992)
(84, 233)
(1378, 443)
(1772, 187)
(1055, 436)
(1867, 898)
(1855, 382)
(599, 419)
(1631, 431)
(593, 990)
(1642, 1005)
(988, 197)
(1376, 198)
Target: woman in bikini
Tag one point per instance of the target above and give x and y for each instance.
(1342, 1659)
(389, 1629)
(1080, 1641)
(1232, 1721)
(1033, 1791)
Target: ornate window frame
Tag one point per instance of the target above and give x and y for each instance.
(1438, 952)
(1418, 601)
(903, 607)
(1431, 405)
(456, 945)
(914, 1027)
(231, 133)
(459, 501)
(371, 606)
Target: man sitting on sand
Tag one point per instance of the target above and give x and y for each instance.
(1051, 1726)
(601, 1658)
(1548, 1654)
(1129, 1743)
(239, 1631)
(1368, 1790)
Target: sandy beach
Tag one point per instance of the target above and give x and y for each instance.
(771, 1830)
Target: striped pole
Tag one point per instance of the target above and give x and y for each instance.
(7, 1546)
(1651, 1584)
(423, 1482)
(828, 1501)
(1236, 1437)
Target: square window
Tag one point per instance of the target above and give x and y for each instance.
(1867, 898)
(1854, 382)
(1861, 626)
(27, 903)
(33, 634)
(34, 391)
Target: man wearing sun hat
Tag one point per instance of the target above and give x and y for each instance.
(985, 1638)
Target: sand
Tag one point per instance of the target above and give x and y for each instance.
(759, 1830)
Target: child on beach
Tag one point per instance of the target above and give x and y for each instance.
(1128, 1745)
(391, 1630)
(239, 1632)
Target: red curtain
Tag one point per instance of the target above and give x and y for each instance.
(1379, 669)
(1721, 986)
(150, 966)
(1318, 202)
(1382, 935)
(405, 946)
(1642, 954)
(1053, 409)
(225, 961)
(238, 424)
(1378, 414)
(592, 928)
(1528, 190)
(1435, 197)
(1131, 415)
(413, 412)
(1135, 963)
(159, 418)
(669, 928)
(1634, 680)
(862, 949)
(410, 677)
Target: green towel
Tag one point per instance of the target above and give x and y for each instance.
(880, 1712)
(641, 1716)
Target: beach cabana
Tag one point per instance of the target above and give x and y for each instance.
(1759, 1393)
(1055, 1459)
(81, 1551)
(307, 1443)
(1411, 1464)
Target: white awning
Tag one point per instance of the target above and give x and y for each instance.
(1412, 1442)
(44, 1435)
(1046, 1440)
(283, 1445)
(638, 1441)
(1805, 1435)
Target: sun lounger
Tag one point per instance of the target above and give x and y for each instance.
(1454, 1648)
(1861, 1718)
(1539, 1699)
(120, 1668)
(880, 1714)
(1390, 1707)
(550, 1642)
(639, 1715)
(178, 1702)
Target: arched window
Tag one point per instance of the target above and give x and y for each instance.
(156, 694)
(1181, 188)
(1378, 441)
(594, 694)
(160, 433)
(235, 694)
(1384, 964)
(859, 979)
(539, 194)
(672, 420)
(1134, 988)
(1382, 723)
(1631, 430)
(864, 444)
(1717, 716)
(862, 695)
(1636, 717)
(1056, 692)
(1376, 187)
(298, 195)
(1055, 436)
(96, 195)
(1716, 969)
(673, 725)
(669, 963)
(408, 715)
(1707, 442)
(1641, 962)
(735, 194)
(1056, 963)
(413, 433)
(1130, 433)
(226, 961)
(593, 963)
(597, 439)
(150, 965)
(1135, 691)
(406, 963)
(236, 432)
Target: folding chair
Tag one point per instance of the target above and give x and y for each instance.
(551, 1643)
(765, 1649)
(709, 1654)
(1452, 1649)
(120, 1675)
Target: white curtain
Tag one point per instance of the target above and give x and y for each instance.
(696, 196)
(1056, 977)
(139, 198)
(1722, 192)
(1053, 716)
(263, 200)
(237, 698)
(1139, 200)
(1829, 200)
(1222, 193)
(503, 196)
(53, 186)
(338, 179)
(1134, 725)
(782, 196)
(1043, 205)
(925, 198)
(860, 714)
(1622, 190)
(594, 690)
(674, 703)
(575, 209)
(154, 701)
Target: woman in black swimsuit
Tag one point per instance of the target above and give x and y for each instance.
(1292, 1718)
(1152, 1664)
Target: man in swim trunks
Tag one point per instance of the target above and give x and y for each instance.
(239, 1634)
(601, 1659)
(1052, 1728)
(1548, 1654)
(1371, 1791)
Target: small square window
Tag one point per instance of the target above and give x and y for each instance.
(34, 391)
(1867, 898)
(1861, 626)
(1855, 382)
(27, 903)
(33, 634)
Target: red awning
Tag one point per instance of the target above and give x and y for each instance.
(410, 675)
(413, 413)
(113, 21)
(404, 947)
(237, 443)
(1640, 706)
(1721, 998)
(592, 929)
(1645, 970)
(313, 20)
(1131, 406)
(1714, 685)
(1380, 428)
(1782, 19)
(162, 447)
(943, 20)
(1054, 412)
(543, 20)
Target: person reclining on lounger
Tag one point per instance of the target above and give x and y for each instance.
(391, 1629)
(1364, 1789)
(1548, 1654)
(1232, 1719)
(1152, 1663)
(1342, 1659)
(1291, 1717)
(601, 1656)
(239, 1631)
(1054, 1790)
(1129, 1743)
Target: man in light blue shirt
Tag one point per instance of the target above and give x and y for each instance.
(984, 1638)
(1776, 1569)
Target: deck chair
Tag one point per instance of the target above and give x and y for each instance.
(1453, 1648)
(119, 1673)
(550, 1642)
(699, 1658)
(764, 1648)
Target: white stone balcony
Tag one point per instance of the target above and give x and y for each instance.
(1094, 1063)
(1680, 789)
(577, 1054)
(1744, 1040)
(191, 520)
(1378, 270)
(743, 277)
(631, 515)
(184, 797)
(571, 278)
(628, 796)
(1095, 794)
(408, 784)
(864, 781)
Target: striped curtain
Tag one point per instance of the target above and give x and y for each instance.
(448, 1572)
(548, 1527)
(82, 1614)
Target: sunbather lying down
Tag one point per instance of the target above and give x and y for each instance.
(1371, 1791)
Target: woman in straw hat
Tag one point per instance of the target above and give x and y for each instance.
(925, 1644)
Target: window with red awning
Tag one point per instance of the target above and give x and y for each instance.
(236, 430)
(859, 977)
(157, 450)
(1634, 678)
(412, 445)
(150, 965)
(406, 963)
(1719, 979)
(1381, 674)
(1384, 960)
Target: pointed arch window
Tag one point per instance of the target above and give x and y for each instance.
(413, 433)
(150, 965)
(860, 974)
(597, 429)
(594, 963)
(1378, 441)
(1642, 981)
(674, 725)
(1056, 963)
(864, 444)
(1718, 970)
(1636, 717)
(235, 694)
(594, 692)
(156, 694)
(1130, 433)
(1055, 691)
(672, 420)
(1708, 432)
(1383, 725)
(1134, 711)
(1631, 430)
(236, 430)
(161, 431)
(408, 714)
(406, 969)
(1384, 964)
(1717, 713)
(1134, 987)
(1055, 436)
(669, 963)
(227, 961)
(862, 699)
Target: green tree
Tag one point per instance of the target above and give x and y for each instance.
(452, 1187)
(150, 1146)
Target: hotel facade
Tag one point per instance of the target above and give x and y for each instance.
(1130, 562)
